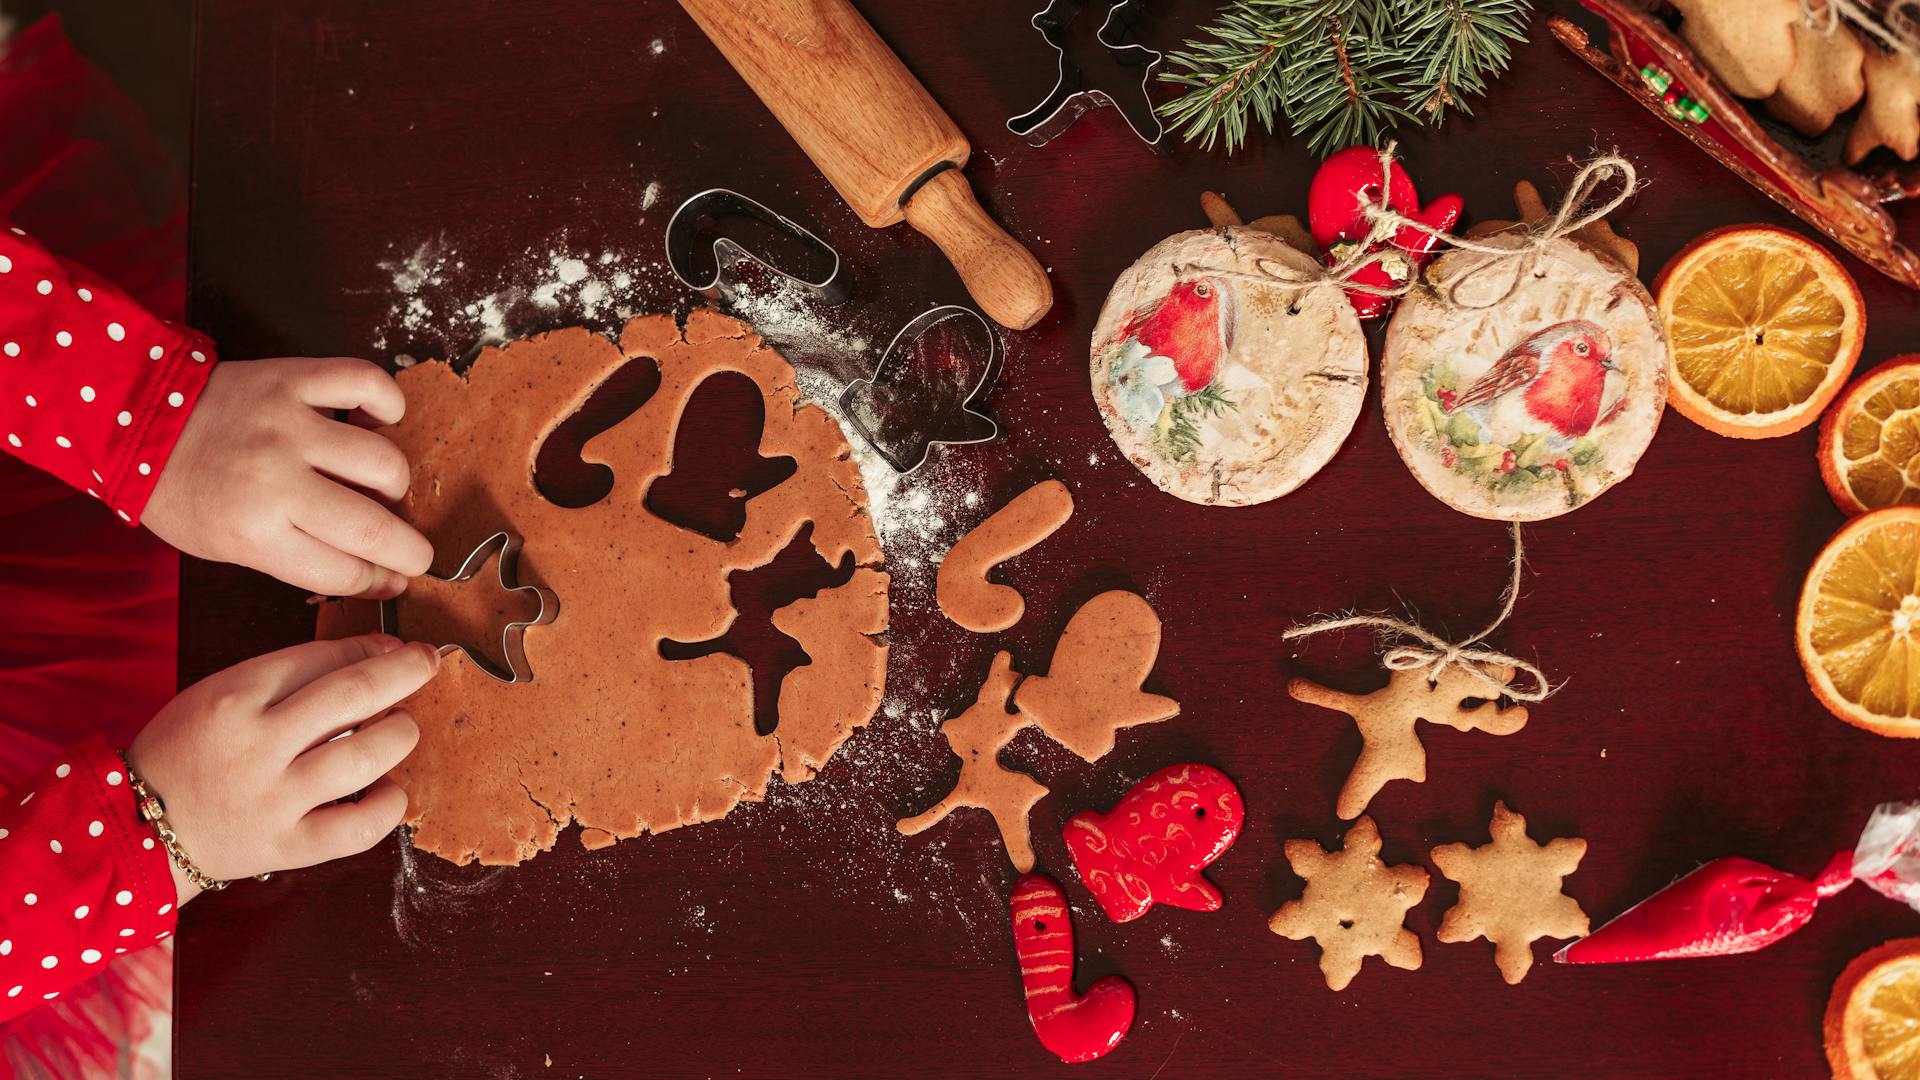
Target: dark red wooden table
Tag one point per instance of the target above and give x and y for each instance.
(803, 936)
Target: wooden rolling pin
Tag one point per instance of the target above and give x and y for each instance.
(882, 141)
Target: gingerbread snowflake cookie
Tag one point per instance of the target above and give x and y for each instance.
(1354, 905)
(1510, 892)
(1225, 369)
(1522, 386)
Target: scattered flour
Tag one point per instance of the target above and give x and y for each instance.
(650, 196)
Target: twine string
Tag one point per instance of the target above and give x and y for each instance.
(1435, 654)
(1385, 223)
(1898, 33)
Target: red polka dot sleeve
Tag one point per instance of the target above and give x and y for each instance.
(82, 878)
(93, 389)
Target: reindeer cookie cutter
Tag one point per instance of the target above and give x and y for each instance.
(503, 548)
(1071, 98)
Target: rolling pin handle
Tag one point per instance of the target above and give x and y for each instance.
(1003, 276)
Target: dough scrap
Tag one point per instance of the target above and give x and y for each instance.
(610, 734)
(1510, 892)
(977, 736)
(962, 588)
(1093, 690)
(1390, 747)
(1354, 904)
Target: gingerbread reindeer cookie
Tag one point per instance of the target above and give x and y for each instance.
(1391, 748)
(977, 736)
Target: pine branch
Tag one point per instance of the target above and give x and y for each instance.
(1340, 71)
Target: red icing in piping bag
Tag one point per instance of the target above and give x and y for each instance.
(1735, 905)
(1076, 1028)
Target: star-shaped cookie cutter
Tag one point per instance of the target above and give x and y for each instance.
(1071, 98)
(907, 456)
(503, 547)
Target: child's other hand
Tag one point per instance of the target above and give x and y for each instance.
(243, 762)
(261, 476)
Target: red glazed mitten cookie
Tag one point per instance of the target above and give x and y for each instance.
(1076, 1028)
(1151, 847)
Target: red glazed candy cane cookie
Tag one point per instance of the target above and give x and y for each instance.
(1151, 848)
(1075, 1028)
(965, 594)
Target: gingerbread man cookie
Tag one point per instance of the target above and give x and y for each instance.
(1510, 892)
(1891, 116)
(962, 588)
(977, 737)
(1093, 688)
(1354, 905)
(1391, 748)
(1747, 43)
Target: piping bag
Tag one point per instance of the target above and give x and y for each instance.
(1735, 905)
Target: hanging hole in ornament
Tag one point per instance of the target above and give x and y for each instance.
(1346, 924)
(1039, 927)
(1539, 275)
(1200, 812)
(1293, 309)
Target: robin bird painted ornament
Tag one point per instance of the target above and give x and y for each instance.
(1554, 379)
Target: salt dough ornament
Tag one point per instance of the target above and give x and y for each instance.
(977, 736)
(1891, 116)
(1075, 1027)
(1390, 747)
(1748, 44)
(1826, 79)
(1093, 688)
(1221, 373)
(1510, 892)
(1150, 848)
(611, 734)
(1354, 904)
(964, 593)
(1518, 393)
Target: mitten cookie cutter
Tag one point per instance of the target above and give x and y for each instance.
(512, 648)
(683, 247)
(968, 425)
(1071, 98)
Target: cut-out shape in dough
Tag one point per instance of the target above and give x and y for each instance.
(977, 736)
(1390, 748)
(1354, 906)
(1093, 689)
(612, 734)
(1075, 1027)
(716, 463)
(962, 588)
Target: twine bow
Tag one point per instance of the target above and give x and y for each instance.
(1435, 654)
(1384, 223)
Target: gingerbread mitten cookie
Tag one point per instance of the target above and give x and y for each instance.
(1354, 905)
(1510, 892)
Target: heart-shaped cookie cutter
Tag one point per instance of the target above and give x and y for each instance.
(512, 647)
(907, 456)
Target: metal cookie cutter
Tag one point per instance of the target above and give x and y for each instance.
(1071, 98)
(703, 210)
(891, 410)
(503, 548)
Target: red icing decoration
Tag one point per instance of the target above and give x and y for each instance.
(1076, 1028)
(1151, 848)
(1348, 180)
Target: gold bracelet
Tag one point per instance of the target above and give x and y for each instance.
(154, 812)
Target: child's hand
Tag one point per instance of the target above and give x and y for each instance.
(242, 761)
(262, 477)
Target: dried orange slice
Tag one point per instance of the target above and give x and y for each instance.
(1858, 627)
(1873, 1015)
(1870, 439)
(1764, 327)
